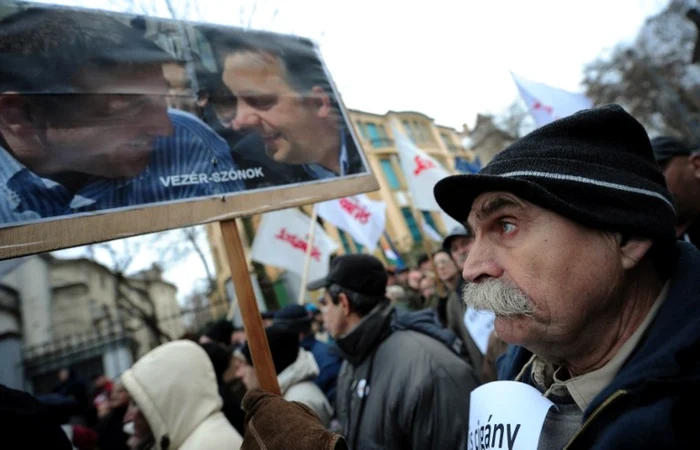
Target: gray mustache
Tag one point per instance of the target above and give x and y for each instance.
(501, 298)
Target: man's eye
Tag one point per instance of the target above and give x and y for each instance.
(261, 102)
(507, 227)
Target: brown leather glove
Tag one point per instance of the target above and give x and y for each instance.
(274, 423)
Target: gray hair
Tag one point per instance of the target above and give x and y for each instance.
(396, 294)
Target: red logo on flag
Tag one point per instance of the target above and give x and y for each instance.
(538, 105)
(298, 243)
(422, 164)
(356, 210)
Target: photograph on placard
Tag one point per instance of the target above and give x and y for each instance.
(103, 112)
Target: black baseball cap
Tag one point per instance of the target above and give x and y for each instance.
(457, 231)
(359, 273)
(666, 147)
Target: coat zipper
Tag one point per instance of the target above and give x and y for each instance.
(595, 414)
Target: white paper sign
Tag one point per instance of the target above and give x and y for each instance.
(506, 415)
(479, 325)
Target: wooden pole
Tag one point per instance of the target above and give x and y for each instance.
(428, 248)
(307, 256)
(252, 321)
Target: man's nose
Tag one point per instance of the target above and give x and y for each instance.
(245, 118)
(480, 263)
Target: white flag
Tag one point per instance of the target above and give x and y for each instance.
(360, 217)
(431, 232)
(281, 241)
(547, 104)
(422, 173)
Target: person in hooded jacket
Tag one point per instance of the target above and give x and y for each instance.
(402, 385)
(296, 369)
(296, 319)
(175, 404)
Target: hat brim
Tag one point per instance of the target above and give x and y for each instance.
(456, 194)
(316, 285)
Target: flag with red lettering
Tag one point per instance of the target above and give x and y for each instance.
(281, 241)
(421, 172)
(360, 217)
(546, 103)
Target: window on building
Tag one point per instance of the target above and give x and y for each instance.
(375, 136)
(382, 132)
(409, 130)
(389, 174)
(447, 141)
(345, 241)
(359, 247)
(411, 223)
(427, 132)
(363, 131)
(428, 217)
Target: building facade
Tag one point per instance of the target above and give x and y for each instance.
(57, 313)
(375, 135)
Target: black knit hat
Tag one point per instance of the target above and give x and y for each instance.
(595, 167)
(284, 347)
(220, 331)
(293, 318)
(667, 147)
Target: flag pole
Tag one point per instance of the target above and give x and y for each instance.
(307, 256)
(252, 321)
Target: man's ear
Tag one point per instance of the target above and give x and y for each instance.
(344, 303)
(694, 160)
(633, 250)
(15, 115)
(322, 101)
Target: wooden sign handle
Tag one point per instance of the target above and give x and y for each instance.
(252, 321)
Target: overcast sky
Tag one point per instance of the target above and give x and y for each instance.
(448, 59)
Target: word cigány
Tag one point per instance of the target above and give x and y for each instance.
(489, 435)
(216, 177)
(355, 209)
(298, 243)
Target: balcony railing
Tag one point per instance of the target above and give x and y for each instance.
(381, 142)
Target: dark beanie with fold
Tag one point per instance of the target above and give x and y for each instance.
(284, 346)
(595, 167)
(294, 318)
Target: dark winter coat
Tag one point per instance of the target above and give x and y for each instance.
(400, 388)
(652, 402)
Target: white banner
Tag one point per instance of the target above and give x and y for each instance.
(506, 415)
(479, 324)
(547, 104)
(281, 241)
(421, 172)
(359, 216)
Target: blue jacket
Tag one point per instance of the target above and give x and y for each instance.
(329, 363)
(652, 402)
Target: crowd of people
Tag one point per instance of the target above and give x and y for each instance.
(580, 239)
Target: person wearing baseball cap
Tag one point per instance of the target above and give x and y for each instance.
(456, 245)
(574, 249)
(681, 168)
(397, 388)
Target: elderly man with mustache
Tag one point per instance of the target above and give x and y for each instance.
(573, 248)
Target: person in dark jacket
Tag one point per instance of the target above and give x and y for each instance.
(681, 168)
(455, 244)
(296, 319)
(28, 423)
(221, 360)
(110, 427)
(399, 388)
(574, 249)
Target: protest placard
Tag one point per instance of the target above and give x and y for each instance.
(113, 125)
(506, 415)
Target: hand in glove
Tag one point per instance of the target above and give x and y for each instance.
(275, 423)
